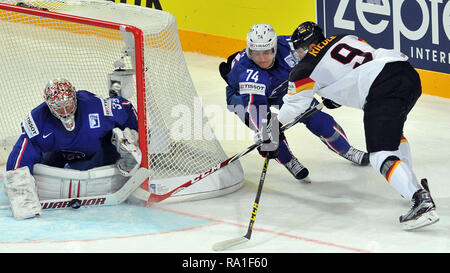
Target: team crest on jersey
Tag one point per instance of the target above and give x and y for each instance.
(94, 121)
(30, 126)
(290, 60)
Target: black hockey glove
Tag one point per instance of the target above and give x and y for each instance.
(225, 67)
(330, 104)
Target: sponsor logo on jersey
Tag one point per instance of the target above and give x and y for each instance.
(94, 121)
(72, 155)
(252, 88)
(30, 126)
(420, 29)
(107, 109)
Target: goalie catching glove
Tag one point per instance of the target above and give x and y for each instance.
(126, 143)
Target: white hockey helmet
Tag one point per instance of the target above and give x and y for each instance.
(60, 97)
(261, 37)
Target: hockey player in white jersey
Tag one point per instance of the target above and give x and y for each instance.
(381, 82)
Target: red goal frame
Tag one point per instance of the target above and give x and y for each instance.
(139, 48)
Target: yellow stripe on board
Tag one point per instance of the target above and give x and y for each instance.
(21, 18)
(435, 83)
(158, 40)
(209, 44)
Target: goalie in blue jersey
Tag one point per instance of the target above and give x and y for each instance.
(257, 79)
(74, 130)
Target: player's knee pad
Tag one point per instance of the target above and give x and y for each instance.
(383, 161)
(55, 183)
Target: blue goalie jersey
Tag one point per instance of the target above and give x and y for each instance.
(95, 118)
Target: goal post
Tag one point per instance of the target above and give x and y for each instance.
(92, 42)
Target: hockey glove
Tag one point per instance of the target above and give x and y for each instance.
(330, 104)
(225, 67)
(126, 143)
(270, 137)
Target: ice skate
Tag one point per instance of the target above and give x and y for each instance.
(356, 156)
(299, 171)
(422, 212)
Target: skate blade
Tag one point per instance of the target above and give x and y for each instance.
(424, 220)
(305, 180)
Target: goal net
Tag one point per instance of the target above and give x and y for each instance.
(93, 44)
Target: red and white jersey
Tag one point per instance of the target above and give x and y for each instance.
(341, 68)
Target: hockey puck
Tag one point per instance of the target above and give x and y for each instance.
(75, 203)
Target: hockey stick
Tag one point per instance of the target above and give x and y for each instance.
(153, 197)
(236, 241)
(115, 198)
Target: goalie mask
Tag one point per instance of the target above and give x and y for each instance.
(60, 97)
(260, 40)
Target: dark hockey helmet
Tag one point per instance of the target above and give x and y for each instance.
(306, 34)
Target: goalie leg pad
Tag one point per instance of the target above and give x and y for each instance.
(20, 188)
(56, 183)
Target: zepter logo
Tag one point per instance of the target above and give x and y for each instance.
(420, 28)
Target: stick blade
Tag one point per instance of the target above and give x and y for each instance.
(229, 243)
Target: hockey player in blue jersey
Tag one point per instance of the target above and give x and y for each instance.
(257, 79)
(71, 129)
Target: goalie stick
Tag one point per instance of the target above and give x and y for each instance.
(115, 198)
(236, 241)
(152, 197)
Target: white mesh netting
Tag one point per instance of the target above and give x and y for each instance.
(35, 49)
